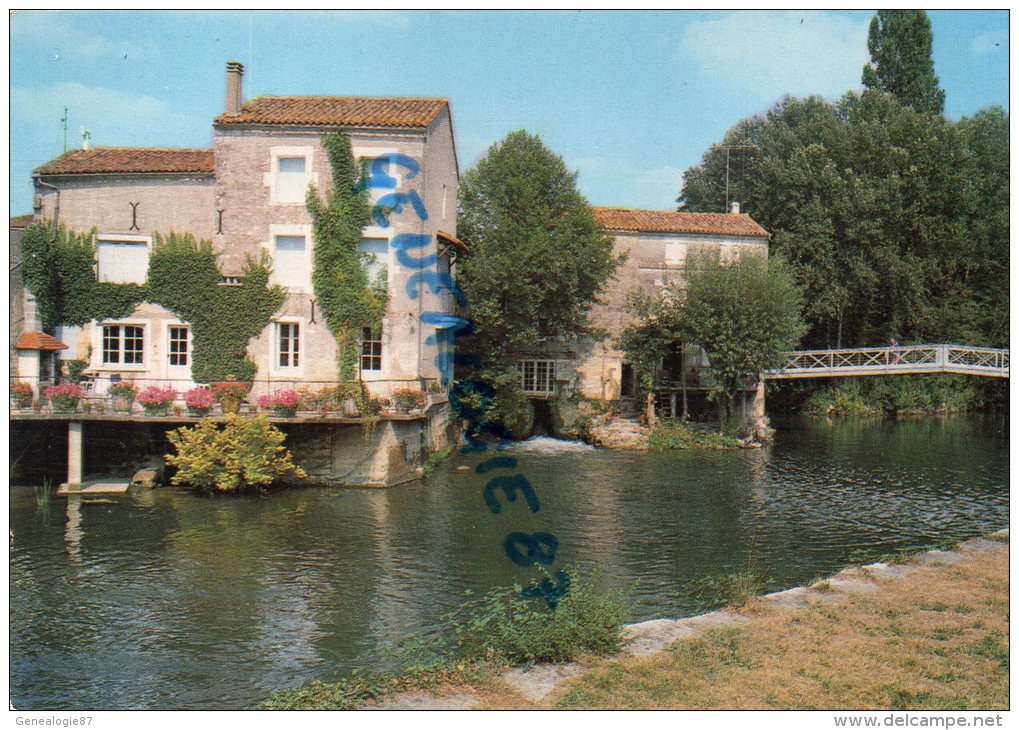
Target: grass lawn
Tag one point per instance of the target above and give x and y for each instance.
(936, 639)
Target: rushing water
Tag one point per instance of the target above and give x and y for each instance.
(163, 599)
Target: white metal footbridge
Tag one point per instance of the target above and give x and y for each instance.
(897, 360)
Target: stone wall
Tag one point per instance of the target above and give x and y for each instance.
(392, 453)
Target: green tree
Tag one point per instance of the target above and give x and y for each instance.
(536, 257)
(900, 60)
(894, 222)
(744, 315)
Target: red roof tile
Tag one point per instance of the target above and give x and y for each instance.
(39, 341)
(22, 221)
(666, 221)
(451, 239)
(352, 111)
(128, 159)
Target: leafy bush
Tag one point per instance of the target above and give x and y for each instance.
(899, 394)
(74, 368)
(246, 453)
(667, 436)
(520, 630)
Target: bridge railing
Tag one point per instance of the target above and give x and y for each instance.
(899, 359)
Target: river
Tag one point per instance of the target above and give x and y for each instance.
(164, 599)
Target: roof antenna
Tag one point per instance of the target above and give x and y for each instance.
(63, 120)
(728, 148)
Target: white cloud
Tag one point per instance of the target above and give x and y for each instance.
(115, 118)
(766, 54)
(64, 36)
(988, 43)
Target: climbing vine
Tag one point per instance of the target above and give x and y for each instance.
(183, 276)
(348, 299)
(58, 267)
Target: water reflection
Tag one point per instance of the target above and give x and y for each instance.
(165, 599)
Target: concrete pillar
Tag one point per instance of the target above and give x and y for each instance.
(757, 409)
(75, 452)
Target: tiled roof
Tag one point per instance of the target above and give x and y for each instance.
(353, 111)
(666, 221)
(39, 341)
(22, 221)
(128, 159)
(451, 239)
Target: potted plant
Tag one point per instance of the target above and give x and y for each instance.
(37, 406)
(283, 403)
(123, 394)
(230, 393)
(409, 399)
(65, 398)
(200, 402)
(157, 401)
(21, 395)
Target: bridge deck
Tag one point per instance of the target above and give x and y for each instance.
(899, 360)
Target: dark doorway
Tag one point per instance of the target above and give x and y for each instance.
(543, 425)
(626, 381)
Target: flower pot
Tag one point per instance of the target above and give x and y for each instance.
(122, 404)
(230, 405)
(156, 410)
(284, 412)
(199, 412)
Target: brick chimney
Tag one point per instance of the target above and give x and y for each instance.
(234, 87)
(734, 207)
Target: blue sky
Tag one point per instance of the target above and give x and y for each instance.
(629, 99)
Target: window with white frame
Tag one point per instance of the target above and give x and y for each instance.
(122, 259)
(291, 179)
(179, 346)
(375, 259)
(123, 344)
(537, 376)
(288, 345)
(371, 349)
(290, 174)
(291, 260)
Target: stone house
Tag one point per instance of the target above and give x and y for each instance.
(246, 194)
(658, 246)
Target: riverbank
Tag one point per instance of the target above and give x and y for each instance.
(921, 632)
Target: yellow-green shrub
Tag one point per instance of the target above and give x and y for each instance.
(246, 453)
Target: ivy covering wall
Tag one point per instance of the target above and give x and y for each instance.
(183, 277)
(58, 267)
(348, 300)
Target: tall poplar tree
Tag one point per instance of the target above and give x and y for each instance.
(900, 60)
